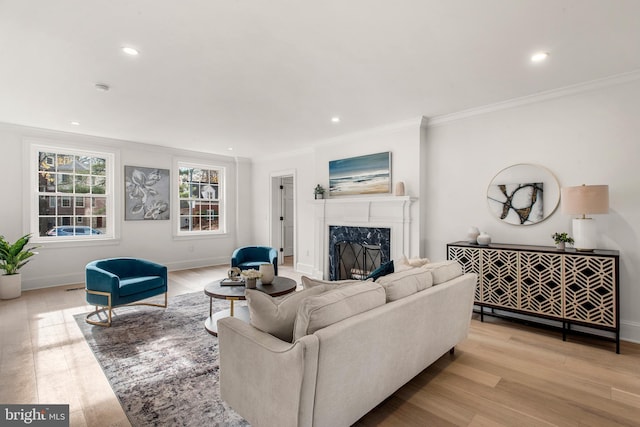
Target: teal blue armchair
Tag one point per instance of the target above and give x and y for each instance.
(252, 256)
(115, 282)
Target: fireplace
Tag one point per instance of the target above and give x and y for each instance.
(354, 252)
(395, 214)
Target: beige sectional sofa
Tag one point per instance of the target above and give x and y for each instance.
(353, 345)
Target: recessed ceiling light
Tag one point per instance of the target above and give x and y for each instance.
(539, 56)
(335, 119)
(130, 51)
(75, 123)
(102, 87)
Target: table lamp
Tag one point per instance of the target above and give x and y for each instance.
(584, 200)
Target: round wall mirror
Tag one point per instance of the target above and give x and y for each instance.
(523, 194)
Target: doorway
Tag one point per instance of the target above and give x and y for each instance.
(283, 221)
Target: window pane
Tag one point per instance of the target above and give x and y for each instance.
(99, 185)
(65, 163)
(65, 183)
(82, 184)
(46, 183)
(99, 223)
(46, 161)
(98, 166)
(99, 205)
(47, 205)
(83, 165)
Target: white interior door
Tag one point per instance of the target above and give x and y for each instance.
(287, 215)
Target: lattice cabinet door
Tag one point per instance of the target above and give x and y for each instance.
(541, 283)
(499, 280)
(469, 258)
(590, 289)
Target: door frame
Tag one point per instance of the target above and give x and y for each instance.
(274, 210)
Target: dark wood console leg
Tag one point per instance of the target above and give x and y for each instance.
(453, 350)
(617, 342)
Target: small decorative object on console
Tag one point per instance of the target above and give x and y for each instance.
(473, 234)
(561, 239)
(484, 239)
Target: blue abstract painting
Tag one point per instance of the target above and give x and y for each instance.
(368, 174)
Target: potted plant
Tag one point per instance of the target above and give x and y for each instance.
(561, 239)
(12, 258)
(319, 192)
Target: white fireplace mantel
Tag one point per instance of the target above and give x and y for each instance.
(393, 212)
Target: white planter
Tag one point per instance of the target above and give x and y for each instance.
(10, 286)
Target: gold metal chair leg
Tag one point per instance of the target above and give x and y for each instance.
(109, 308)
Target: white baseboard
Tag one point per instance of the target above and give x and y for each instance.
(78, 276)
(305, 269)
(630, 331)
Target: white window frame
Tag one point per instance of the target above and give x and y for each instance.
(222, 205)
(31, 206)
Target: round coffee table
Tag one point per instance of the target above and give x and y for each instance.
(279, 286)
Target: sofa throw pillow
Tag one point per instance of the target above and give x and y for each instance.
(405, 283)
(417, 262)
(308, 282)
(384, 269)
(444, 270)
(319, 311)
(276, 316)
(401, 264)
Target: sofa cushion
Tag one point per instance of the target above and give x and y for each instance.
(276, 316)
(319, 311)
(308, 282)
(405, 283)
(444, 271)
(384, 269)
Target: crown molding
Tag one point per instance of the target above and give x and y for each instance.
(535, 98)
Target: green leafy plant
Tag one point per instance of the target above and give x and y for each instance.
(14, 256)
(562, 238)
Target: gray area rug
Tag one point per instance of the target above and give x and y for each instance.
(162, 364)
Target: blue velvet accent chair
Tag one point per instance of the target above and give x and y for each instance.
(249, 257)
(115, 282)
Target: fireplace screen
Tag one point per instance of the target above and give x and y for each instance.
(356, 261)
(354, 252)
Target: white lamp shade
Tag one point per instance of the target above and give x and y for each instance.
(585, 199)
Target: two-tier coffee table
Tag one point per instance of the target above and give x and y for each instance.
(279, 286)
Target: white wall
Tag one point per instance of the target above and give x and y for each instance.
(312, 168)
(63, 263)
(301, 165)
(591, 137)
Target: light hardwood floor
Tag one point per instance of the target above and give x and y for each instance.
(503, 374)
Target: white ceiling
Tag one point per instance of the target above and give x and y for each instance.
(267, 76)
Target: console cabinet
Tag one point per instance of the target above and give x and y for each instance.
(570, 287)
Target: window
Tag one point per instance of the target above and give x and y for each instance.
(200, 190)
(73, 194)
